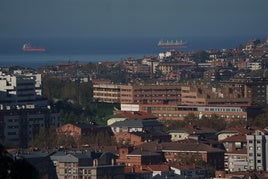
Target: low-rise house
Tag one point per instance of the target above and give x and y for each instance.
(192, 132)
(179, 134)
(131, 138)
(235, 142)
(137, 138)
(83, 129)
(87, 165)
(137, 125)
(237, 130)
(123, 115)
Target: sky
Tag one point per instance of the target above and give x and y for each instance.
(132, 18)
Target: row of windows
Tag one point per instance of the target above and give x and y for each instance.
(205, 115)
(196, 109)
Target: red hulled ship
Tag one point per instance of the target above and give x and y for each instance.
(29, 48)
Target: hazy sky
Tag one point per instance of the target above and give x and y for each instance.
(132, 18)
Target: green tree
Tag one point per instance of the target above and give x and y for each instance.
(191, 158)
(260, 120)
(46, 138)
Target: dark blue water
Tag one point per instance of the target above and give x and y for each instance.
(99, 49)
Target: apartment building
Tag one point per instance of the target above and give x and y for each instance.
(109, 93)
(167, 67)
(150, 94)
(221, 96)
(86, 165)
(23, 109)
(21, 88)
(258, 87)
(257, 150)
(236, 161)
(20, 125)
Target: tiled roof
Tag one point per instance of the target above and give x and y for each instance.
(241, 151)
(134, 114)
(236, 138)
(162, 167)
(140, 151)
(194, 147)
(241, 129)
(74, 157)
(139, 123)
(188, 145)
(198, 130)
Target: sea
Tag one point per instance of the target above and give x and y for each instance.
(94, 50)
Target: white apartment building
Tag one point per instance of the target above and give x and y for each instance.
(254, 65)
(23, 109)
(257, 151)
(20, 89)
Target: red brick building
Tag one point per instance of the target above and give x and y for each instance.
(83, 129)
(138, 157)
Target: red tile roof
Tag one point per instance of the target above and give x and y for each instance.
(162, 167)
(134, 115)
(236, 138)
(241, 151)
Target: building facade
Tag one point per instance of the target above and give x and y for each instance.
(20, 89)
(257, 150)
(150, 94)
(23, 108)
(177, 112)
(108, 93)
(20, 125)
(87, 165)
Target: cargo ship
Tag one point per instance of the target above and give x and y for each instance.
(172, 44)
(29, 48)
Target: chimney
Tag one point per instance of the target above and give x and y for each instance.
(95, 162)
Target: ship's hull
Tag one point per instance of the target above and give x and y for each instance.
(34, 49)
(172, 46)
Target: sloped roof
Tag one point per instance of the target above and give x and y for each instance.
(139, 123)
(134, 115)
(192, 129)
(181, 146)
(241, 129)
(193, 147)
(72, 157)
(160, 167)
(236, 152)
(142, 152)
(236, 138)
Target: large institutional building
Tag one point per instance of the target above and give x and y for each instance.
(174, 102)
(23, 109)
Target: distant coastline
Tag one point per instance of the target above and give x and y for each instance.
(96, 50)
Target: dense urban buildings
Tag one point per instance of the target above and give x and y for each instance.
(23, 109)
(153, 131)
